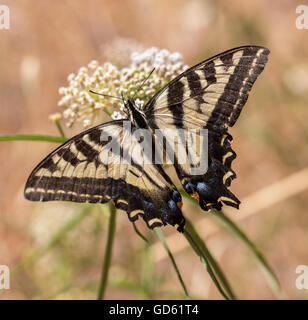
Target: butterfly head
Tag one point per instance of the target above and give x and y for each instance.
(133, 113)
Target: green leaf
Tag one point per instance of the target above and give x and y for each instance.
(208, 261)
(162, 239)
(33, 137)
(58, 124)
(139, 233)
(108, 252)
(232, 226)
(270, 275)
(148, 281)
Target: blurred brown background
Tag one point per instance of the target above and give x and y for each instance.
(48, 40)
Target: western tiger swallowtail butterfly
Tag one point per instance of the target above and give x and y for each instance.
(209, 96)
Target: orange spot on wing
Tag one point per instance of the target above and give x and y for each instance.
(209, 204)
(180, 204)
(195, 195)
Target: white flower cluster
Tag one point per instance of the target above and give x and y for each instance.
(80, 104)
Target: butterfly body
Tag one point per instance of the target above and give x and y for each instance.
(207, 97)
(136, 116)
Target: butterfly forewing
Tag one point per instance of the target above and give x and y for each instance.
(78, 171)
(209, 95)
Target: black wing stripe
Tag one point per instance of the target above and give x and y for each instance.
(235, 94)
(86, 149)
(69, 156)
(195, 87)
(95, 136)
(49, 165)
(76, 189)
(209, 73)
(226, 59)
(175, 97)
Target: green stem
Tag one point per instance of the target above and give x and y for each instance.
(211, 265)
(270, 275)
(162, 239)
(139, 233)
(97, 98)
(58, 124)
(273, 280)
(107, 111)
(108, 252)
(33, 137)
(205, 263)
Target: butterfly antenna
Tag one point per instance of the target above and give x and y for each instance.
(105, 95)
(143, 82)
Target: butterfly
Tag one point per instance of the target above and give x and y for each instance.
(208, 96)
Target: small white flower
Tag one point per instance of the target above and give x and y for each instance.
(93, 64)
(159, 60)
(147, 56)
(139, 103)
(83, 70)
(153, 50)
(164, 52)
(136, 58)
(75, 92)
(74, 106)
(55, 117)
(176, 56)
(98, 105)
(116, 115)
(86, 123)
(62, 90)
(67, 113)
(70, 77)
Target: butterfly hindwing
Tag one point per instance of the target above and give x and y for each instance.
(76, 172)
(211, 96)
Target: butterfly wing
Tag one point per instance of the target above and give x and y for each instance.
(209, 96)
(78, 171)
